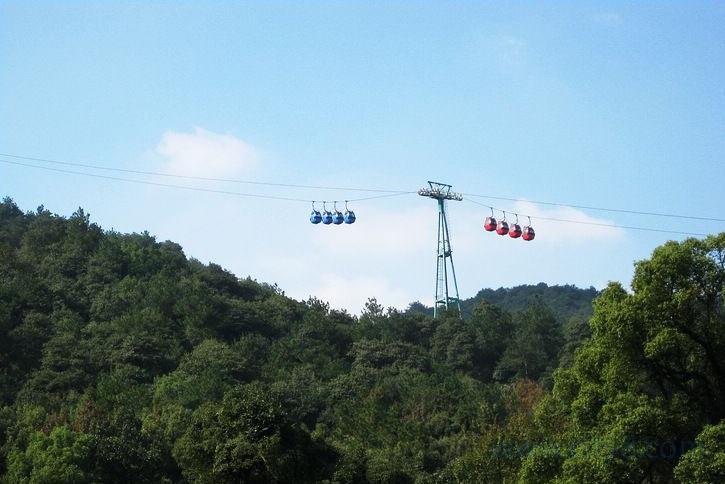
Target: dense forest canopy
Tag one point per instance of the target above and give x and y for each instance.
(565, 301)
(121, 360)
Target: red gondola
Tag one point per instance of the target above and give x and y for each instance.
(490, 223)
(515, 228)
(529, 233)
(502, 228)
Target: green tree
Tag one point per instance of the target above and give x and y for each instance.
(61, 457)
(205, 374)
(705, 464)
(534, 348)
(123, 361)
(650, 377)
(249, 438)
(494, 327)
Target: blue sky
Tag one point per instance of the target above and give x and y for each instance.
(607, 104)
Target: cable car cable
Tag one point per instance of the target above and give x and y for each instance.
(601, 209)
(356, 189)
(582, 222)
(198, 189)
(202, 178)
(273, 197)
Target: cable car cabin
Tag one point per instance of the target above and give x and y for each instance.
(337, 218)
(490, 224)
(349, 217)
(529, 233)
(515, 231)
(315, 217)
(326, 217)
(502, 228)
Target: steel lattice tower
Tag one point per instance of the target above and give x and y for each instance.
(443, 300)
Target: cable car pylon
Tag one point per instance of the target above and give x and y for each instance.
(443, 298)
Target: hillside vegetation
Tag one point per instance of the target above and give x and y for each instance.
(121, 360)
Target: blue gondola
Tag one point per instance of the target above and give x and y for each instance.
(349, 217)
(315, 217)
(337, 217)
(326, 217)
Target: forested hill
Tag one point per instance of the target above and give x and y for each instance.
(565, 301)
(121, 360)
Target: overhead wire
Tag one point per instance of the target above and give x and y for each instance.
(354, 189)
(199, 189)
(384, 193)
(600, 209)
(583, 222)
(203, 178)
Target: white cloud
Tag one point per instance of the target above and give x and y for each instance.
(468, 235)
(374, 257)
(509, 49)
(351, 293)
(609, 19)
(380, 232)
(204, 153)
(389, 249)
(561, 253)
(389, 253)
(572, 233)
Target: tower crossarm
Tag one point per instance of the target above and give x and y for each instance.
(440, 191)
